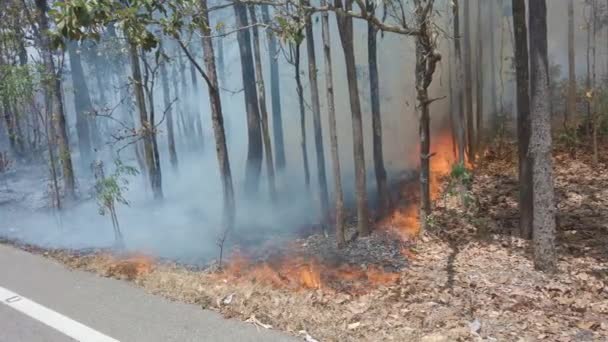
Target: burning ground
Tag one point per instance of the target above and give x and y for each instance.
(468, 278)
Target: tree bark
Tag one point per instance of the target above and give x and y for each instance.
(493, 97)
(383, 194)
(571, 104)
(468, 83)
(275, 95)
(523, 118)
(57, 111)
(164, 78)
(82, 105)
(146, 126)
(460, 123)
(345, 28)
(300, 91)
(254, 151)
(540, 142)
(333, 130)
(217, 119)
(480, 82)
(262, 102)
(316, 119)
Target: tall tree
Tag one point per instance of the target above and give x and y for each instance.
(372, 35)
(53, 89)
(262, 102)
(275, 94)
(543, 214)
(460, 122)
(571, 101)
(316, 118)
(345, 28)
(82, 105)
(294, 48)
(492, 33)
(479, 80)
(164, 79)
(522, 79)
(254, 146)
(333, 130)
(468, 82)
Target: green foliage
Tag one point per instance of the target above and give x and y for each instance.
(110, 189)
(17, 84)
(461, 174)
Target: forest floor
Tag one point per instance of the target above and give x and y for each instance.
(469, 278)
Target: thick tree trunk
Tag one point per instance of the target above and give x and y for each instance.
(57, 111)
(316, 119)
(82, 105)
(333, 130)
(523, 118)
(460, 122)
(492, 32)
(480, 82)
(345, 28)
(146, 126)
(300, 91)
(275, 95)
(540, 142)
(262, 102)
(254, 151)
(382, 187)
(164, 79)
(571, 104)
(468, 82)
(218, 122)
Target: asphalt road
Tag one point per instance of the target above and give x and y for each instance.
(111, 307)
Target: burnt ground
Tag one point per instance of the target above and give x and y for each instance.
(468, 279)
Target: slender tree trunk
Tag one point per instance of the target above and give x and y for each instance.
(523, 118)
(262, 101)
(316, 119)
(14, 139)
(300, 91)
(220, 59)
(480, 83)
(492, 32)
(275, 94)
(146, 126)
(164, 78)
(57, 112)
(333, 130)
(460, 122)
(82, 105)
(468, 82)
(588, 79)
(345, 28)
(383, 195)
(254, 152)
(426, 61)
(540, 142)
(571, 106)
(218, 121)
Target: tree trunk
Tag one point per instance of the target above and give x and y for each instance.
(316, 119)
(164, 78)
(146, 126)
(523, 118)
(345, 28)
(588, 79)
(275, 95)
(468, 82)
(218, 121)
(300, 92)
(493, 97)
(254, 152)
(426, 61)
(82, 105)
(571, 106)
(57, 111)
(540, 142)
(333, 130)
(460, 122)
(383, 194)
(479, 90)
(220, 59)
(262, 102)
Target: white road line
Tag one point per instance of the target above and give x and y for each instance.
(55, 320)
